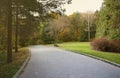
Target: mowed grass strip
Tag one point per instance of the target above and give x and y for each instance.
(85, 48)
(8, 70)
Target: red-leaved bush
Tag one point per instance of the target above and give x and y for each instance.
(103, 44)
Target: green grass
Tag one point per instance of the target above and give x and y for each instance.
(8, 70)
(85, 48)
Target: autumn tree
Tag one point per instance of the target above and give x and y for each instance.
(90, 21)
(41, 10)
(79, 27)
(57, 26)
(28, 11)
(75, 22)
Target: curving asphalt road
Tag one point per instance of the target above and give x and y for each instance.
(51, 62)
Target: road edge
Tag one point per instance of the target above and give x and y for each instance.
(94, 57)
(19, 72)
(104, 60)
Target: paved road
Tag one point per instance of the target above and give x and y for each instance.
(50, 62)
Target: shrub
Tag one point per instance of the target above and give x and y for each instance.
(116, 46)
(103, 44)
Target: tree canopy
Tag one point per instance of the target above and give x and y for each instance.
(108, 20)
(23, 19)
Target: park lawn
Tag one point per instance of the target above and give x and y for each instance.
(85, 48)
(8, 70)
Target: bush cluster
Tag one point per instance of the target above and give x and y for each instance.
(104, 44)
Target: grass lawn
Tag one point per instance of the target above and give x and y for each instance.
(85, 48)
(8, 70)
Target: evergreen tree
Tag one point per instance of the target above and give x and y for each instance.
(9, 31)
(108, 24)
(31, 12)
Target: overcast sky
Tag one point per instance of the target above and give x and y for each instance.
(83, 6)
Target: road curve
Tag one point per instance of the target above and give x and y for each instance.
(51, 62)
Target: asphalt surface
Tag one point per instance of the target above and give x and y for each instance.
(51, 62)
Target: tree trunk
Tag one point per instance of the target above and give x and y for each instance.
(16, 33)
(88, 27)
(9, 31)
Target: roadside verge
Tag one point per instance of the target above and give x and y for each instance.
(94, 57)
(19, 72)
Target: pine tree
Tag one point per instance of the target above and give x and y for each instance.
(9, 24)
(108, 24)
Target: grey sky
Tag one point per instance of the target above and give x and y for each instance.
(83, 6)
